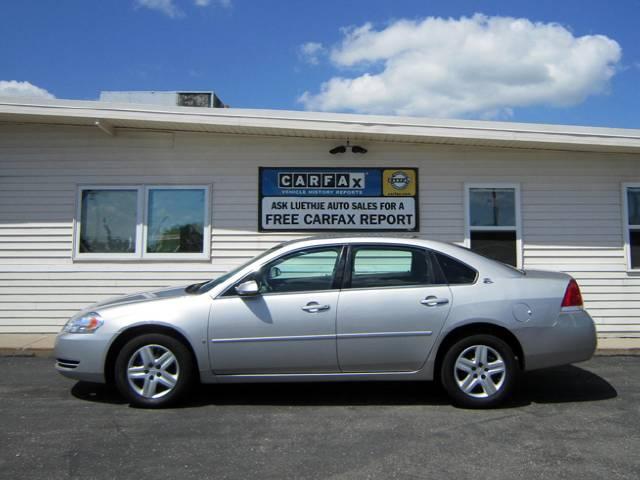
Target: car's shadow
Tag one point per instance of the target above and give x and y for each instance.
(555, 385)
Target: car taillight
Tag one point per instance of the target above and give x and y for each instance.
(572, 296)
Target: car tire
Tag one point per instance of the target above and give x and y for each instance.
(154, 370)
(479, 371)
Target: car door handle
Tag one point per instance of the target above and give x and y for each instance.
(432, 301)
(315, 307)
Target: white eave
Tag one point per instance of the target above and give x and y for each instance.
(110, 116)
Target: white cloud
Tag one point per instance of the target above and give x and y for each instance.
(206, 3)
(310, 52)
(164, 6)
(170, 9)
(13, 88)
(469, 67)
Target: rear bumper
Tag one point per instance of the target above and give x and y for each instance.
(571, 339)
(80, 356)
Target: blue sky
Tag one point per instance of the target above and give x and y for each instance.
(251, 52)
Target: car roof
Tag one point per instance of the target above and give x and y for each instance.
(458, 252)
(368, 238)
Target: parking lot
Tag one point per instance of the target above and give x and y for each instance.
(570, 422)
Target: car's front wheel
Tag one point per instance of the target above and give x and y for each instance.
(479, 371)
(153, 370)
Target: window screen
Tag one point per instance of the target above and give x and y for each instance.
(492, 207)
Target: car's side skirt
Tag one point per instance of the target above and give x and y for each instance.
(319, 377)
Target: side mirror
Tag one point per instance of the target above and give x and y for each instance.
(274, 272)
(248, 288)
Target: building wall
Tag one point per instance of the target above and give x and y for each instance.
(571, 211)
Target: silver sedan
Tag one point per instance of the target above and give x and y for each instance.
(336, 309)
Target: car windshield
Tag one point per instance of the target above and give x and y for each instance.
(206, 286)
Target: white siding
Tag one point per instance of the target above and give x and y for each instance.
(571, 211)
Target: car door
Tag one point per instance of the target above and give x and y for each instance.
(289, 326)
(391, 309)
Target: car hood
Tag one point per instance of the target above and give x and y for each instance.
(163, 294)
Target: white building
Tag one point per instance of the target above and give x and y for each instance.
(101, 199)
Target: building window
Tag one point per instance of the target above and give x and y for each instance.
(631, 203)
(175, 220)
(108, 220)
(133, 222)
(493, 222)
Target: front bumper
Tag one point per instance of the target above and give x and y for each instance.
(81, 356)
(571, 339)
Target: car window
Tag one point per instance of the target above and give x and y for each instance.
(390, 267)
(205, 287)
(455, 272)
(301, 271)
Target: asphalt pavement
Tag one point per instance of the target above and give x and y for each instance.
(575, 422)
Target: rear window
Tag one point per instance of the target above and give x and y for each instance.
(456, 273)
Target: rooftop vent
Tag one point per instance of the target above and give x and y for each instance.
(196, 99)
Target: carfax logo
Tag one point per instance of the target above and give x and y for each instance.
(353, 181)
(399, 180)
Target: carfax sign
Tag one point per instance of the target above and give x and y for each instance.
(383, 199)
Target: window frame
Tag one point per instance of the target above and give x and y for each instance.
(468, 228)
(626, 227)
(142, 226)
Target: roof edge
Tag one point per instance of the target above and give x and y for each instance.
(371, 125)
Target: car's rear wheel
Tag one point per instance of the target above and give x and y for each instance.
(153, 370)
(479, 371)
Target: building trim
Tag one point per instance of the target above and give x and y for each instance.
(321, 125)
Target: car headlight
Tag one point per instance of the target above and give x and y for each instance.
(87, 323)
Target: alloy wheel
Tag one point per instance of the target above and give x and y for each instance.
(480, 371)
(153, 371)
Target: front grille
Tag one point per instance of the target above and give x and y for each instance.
(64, 363)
